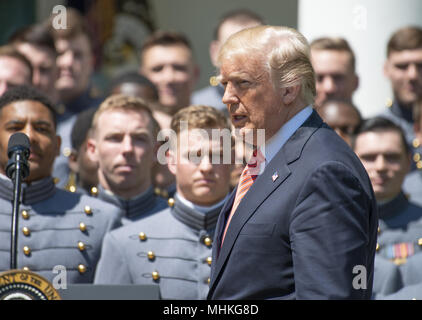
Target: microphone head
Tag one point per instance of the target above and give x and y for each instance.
(18, 141)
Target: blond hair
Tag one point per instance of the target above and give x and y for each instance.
(125, 102)
(282, 51)
(199, 117)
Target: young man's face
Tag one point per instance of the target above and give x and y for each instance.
(335, 78)
(198, 179)
(172, 70)
(45, 71)
(404, 69)
(76, 64)
(384, 158)
(124, 149)
(36, 121)
(13, 72)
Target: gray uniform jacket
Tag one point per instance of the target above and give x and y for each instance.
(171, 248)
(413, 186)
(400, 227)
(56, 228)
(210, 96)
(137, 208)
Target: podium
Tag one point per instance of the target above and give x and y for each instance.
(109, 292)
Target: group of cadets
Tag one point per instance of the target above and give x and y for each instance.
(100, 203)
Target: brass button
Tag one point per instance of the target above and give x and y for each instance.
(82, 227)
(208, 241)
(25, 214)
(67, 152)
(164, 193)
(170, 202)
(26, 250)
(416, 143)
(377, 247)
(72, 189)
(88, 210)
(155, 275)
(26, 232)
(81, 246)
(214, 81)
(209, 260)
(142, 236)
(81, 269)
(416, 157)
(25, 269)
(379, 230)
(420, 241)
(94, 191)
(208, 280)
(157, 191)
(151, 255)
(419, 165)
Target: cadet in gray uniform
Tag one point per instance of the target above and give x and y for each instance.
(413, 182)
(403, 69)
(173, 247)
(382, 148)
(123, 143)
(57, 228)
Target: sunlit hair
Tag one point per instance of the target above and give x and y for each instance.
(200, 117)
(124, 103)
(283, 52)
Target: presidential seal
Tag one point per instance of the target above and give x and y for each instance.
(25, 285)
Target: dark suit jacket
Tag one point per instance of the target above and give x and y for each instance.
(304, 235)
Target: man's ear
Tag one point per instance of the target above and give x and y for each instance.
(213, 50)
(290, 94)
(91, 149)
(386, 69)
(73, 161)
(59, 144)
(171, 157)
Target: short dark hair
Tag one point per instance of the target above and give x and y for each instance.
(380, 124)
(37, 34)
(81, 128)
(132, 77)
(23, 93)
(241, 16)
(165, 38)
(407, 38)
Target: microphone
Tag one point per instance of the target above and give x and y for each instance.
(17, 169)
(18, 153)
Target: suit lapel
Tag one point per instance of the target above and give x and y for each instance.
(274, 175)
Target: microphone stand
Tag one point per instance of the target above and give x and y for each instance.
(16, 178)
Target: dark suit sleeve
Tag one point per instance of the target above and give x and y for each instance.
(330, 236)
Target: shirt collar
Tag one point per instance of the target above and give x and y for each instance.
(276, 142)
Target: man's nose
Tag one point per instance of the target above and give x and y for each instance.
(230, 96)
(328, 85)
(412, 71)
(127, 145)
(66, 59)
(380, 163)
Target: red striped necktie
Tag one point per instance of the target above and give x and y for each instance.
(247, 178)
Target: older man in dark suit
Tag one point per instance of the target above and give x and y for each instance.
(306, 228)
